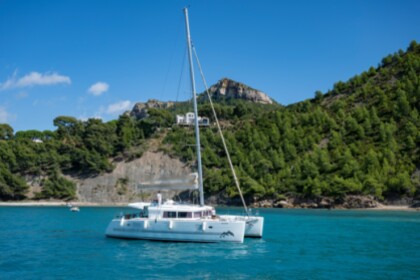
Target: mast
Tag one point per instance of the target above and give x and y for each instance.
(197, 130)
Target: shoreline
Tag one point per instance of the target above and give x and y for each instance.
(394, 208)
(119, 204)
(60, 203)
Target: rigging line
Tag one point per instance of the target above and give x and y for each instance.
(220, 132)
(182, 74)
(178, 36)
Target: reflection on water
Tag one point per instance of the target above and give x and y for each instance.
(189, 260)
(167, 254)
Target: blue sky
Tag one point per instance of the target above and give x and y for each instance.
(97, 58)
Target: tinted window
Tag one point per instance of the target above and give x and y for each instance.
(169, 214)
(184, 215)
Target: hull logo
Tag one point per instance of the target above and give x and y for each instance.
(251, 223)
(226, 233)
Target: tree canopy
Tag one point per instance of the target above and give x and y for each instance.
(361, 137)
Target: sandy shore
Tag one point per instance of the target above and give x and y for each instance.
(394, 208)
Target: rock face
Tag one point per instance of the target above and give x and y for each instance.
(231, 89)
(415, 204)
(140, 109)
(348, 202)
(357, 201)
(224, 88)
(122, 185)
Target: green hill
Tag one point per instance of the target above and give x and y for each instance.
(360, 138)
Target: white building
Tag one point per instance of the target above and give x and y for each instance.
(188, 119)
(37, 140)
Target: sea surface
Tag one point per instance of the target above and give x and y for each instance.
(54, 243)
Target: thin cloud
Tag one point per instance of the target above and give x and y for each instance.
(34, 79)
(4, 115)
(21, 95)
(84, 118)
(119, 107)
(98, 88)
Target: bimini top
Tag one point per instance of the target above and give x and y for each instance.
(169, 205)
(139, 205)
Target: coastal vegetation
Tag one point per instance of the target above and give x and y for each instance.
(362, 137)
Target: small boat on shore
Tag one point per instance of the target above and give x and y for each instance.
(74, 209)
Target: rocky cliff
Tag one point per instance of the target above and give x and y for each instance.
(140, 110)
(225, 88)
(231, 89)
(123, 183)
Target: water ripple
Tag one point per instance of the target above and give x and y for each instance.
(52, 243)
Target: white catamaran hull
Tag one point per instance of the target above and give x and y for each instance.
(253, 225)
(178, 230)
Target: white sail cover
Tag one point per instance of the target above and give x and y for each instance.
(188, 183)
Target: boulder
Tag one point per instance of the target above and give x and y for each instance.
(415, 204)
(282, 204)
(312, 205)
(265, 204)
(326, 202)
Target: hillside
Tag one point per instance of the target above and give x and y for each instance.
(362, 138)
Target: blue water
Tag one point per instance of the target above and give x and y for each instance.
(54, 243)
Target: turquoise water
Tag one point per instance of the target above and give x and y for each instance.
(54, 243)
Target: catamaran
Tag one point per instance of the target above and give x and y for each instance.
(172, 221)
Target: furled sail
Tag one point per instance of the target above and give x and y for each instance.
(188, 183)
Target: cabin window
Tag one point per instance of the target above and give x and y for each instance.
(197, 214)
(169, 214)
(184, 214)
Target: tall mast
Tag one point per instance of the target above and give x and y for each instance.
(197, 130)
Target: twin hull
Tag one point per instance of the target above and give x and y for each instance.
(253, 225)
(178, 230)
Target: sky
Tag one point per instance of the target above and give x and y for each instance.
(97, 58)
